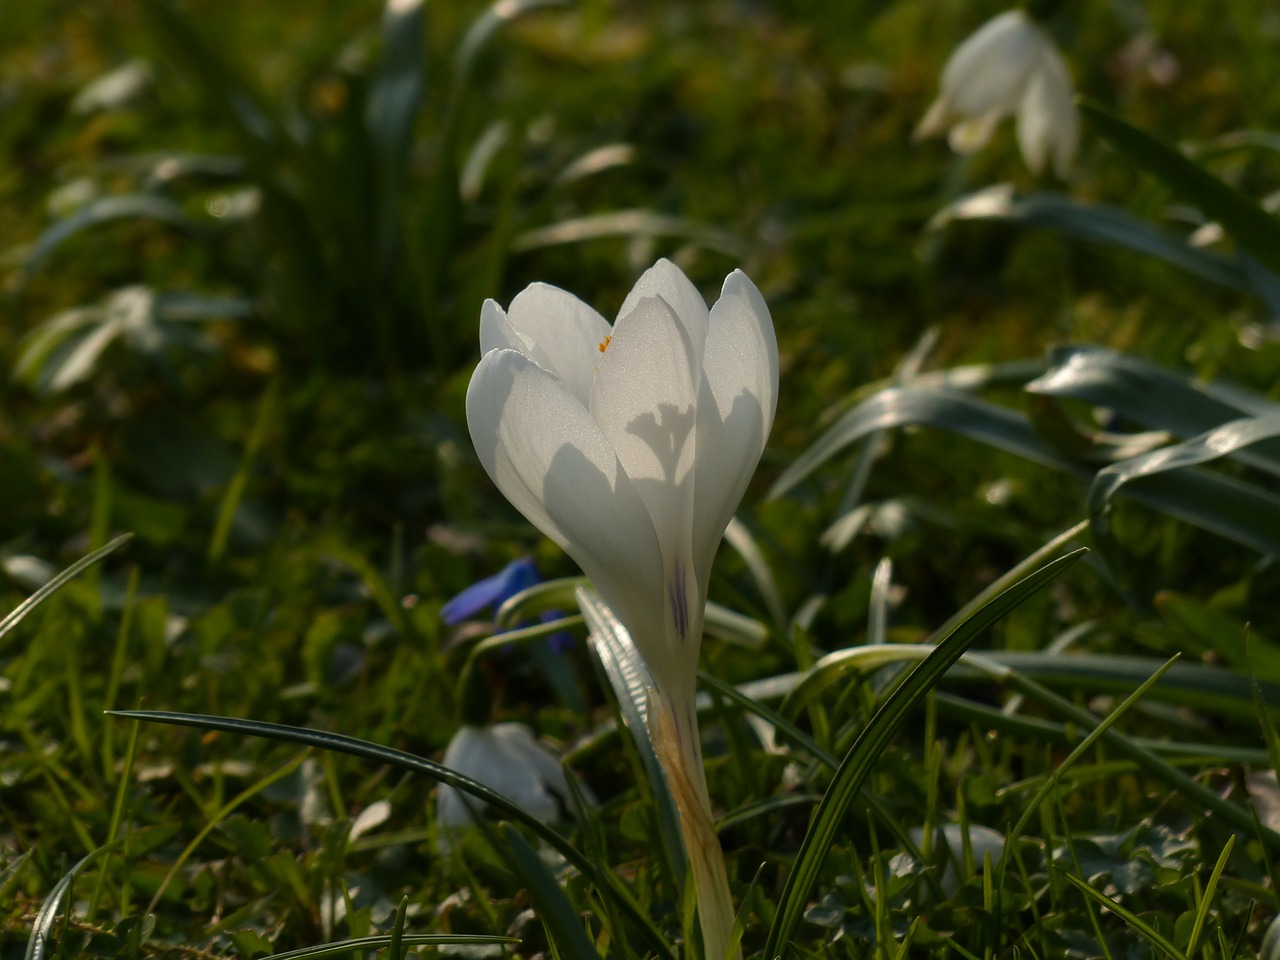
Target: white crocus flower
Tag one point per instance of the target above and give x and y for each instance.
(1009, 67)
(630, 446)
(508, 758)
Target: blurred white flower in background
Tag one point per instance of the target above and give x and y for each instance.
(1009, 67)
(508, 758)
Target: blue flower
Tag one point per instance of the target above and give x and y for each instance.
(492, 592)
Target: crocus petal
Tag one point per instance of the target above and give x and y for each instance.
(1047, 121)
(551, 327)
(667, 281)
(645, 399)
(550, 459)
(740, 370)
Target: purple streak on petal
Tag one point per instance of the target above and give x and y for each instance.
(678, 598)
(491, 591)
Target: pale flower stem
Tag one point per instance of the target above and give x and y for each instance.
(673, 729)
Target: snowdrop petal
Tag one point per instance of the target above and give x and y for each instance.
(969, 136)
(505, 757)
(1008, 66)
(989, 70)
(740, 369)
(1047, 120)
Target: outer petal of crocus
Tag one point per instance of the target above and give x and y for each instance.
(552, 327)
(667, 281)
(644, 396)
(551, 460)
(735, 414)
(1047, 121)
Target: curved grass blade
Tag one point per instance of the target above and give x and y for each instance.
(48, 915)
(875, 737)
(1148, 932)
(10, 871)
(133, 206)
(18, 613)
(395, 95)
(1251, 226)
(1246, 513)
(629, 223)
(564, 926)
(1153, 397)
(744, 544)
(1206, 898)
(948, 409)
(364, 945)
(605, 882)
(1095, 223)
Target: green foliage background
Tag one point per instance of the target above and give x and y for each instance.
(249, 345)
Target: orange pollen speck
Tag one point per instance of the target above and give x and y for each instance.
(604, 344)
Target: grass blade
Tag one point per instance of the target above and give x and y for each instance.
(875, 737)
(1148, 932)
(564, 926)
(605, 882)
(18, 613)
(1253, 228)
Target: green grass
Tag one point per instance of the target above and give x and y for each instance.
(240, 317)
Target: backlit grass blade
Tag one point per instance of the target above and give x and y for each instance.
(1241, 511)
(18, 613)
(1095, 223)
(875, 737)
(361, 946)
(1148, 932)
(1250, 226)
(605, 882)
(947, 409)
(48, 915)
(133, 206)
(1156, 398)
(394, 98)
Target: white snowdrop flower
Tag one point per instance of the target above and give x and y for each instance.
(1009, 67)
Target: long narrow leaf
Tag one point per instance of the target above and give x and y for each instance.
(1096, 223)
(133, 206)
(564, 927)
(1252, 227)
(875, 737)
(18, 613)
(1247, 513)
(605, 882)
(363, 945)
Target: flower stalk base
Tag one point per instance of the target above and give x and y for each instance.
(673, 729)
